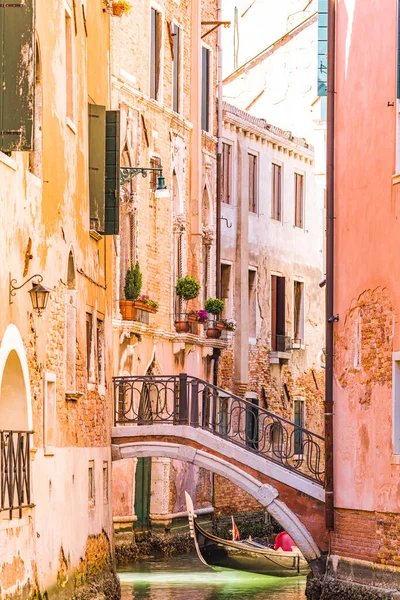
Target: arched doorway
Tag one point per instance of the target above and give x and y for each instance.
(15, 398)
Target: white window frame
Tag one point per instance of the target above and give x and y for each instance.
(211, 95)
(302, 345)
(303, 174)
(280, 164)
(49, 377)
(253, 340)
(181, 71)
(160, 10)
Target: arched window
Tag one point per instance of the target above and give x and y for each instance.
(70, 333)
(35, 157)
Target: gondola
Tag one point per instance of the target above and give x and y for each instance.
(247, 555)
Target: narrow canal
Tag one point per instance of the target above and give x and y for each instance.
(185, 578)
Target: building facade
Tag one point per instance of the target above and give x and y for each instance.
(55, 369)
(271, 265)
(164, 82)
(365, 539)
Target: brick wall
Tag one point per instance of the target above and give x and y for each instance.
(228, 498)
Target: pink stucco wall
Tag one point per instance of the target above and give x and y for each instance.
(367, 290)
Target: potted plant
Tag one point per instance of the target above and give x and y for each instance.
(186, 288)
(228, 324)
(132, 287)
(197, 316)
(214, 306)
(120, 7)
(144, 302)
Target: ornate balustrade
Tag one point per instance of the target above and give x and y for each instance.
(186, 400)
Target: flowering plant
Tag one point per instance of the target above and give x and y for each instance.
(147, 300)
(229, 324)
(201, 315)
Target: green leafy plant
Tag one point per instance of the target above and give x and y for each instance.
(133, 282)
(147, 300)
(187, 287)
(215, 306)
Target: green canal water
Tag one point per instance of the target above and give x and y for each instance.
(185, 578)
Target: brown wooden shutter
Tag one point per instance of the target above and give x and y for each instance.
(97, 146)
(17, 75)
(112, 173)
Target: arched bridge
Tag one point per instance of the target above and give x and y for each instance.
(186, 418)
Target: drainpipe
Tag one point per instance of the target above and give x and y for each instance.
(330, 224)
(219, 158)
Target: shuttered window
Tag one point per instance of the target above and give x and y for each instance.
(176, 68)
(276, 204)
(253, 182)
(322, 47)
(226, 172)
(155, 53)
(298, 200)
(17, 75)
(97, 164)
(104, 169)
(205, 89)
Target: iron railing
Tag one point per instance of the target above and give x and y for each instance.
(15, 483)
(186, 400)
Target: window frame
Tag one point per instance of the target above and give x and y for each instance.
(229, 178)
(297, 175)
(396, 405)
(158, 92)
(177, 74)
(255, 157)
(210, 122)
(279, 218)
(69, 68)
(301, 345)
(254, 270)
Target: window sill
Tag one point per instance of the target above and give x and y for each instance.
(73, 396)
(277, 357)
(8, 161)
(395, 459)
(71, 125)
(396, 179)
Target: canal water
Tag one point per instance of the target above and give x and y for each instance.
(185, 578)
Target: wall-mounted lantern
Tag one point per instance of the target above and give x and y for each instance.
(128, 173)
(39, 294)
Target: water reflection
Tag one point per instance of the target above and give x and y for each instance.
(185, 578)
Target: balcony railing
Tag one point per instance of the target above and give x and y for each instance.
(15, 484)
(185, 400)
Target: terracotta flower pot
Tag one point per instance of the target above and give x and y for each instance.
(182, 326)
(214, 334)
(139, 304)
(192, 319)
(219, 326)
(128, 310)
(118, 10)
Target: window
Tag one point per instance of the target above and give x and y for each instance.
(89, 333)
(278, 341)
(226, 172)
(298, 314)
(91, 484)
(298, 407)
(105, 482)
(252, 283)
(298, 200)
(276, 207)
(205, 88)
(49, 412)
(176, 67)
(226, 292)
(253, 180)
(70, 372)
(35, 156)
(155, 54)
(396, 402)
(100, 351)
(69, 67)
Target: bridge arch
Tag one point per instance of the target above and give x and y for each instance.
(135, 444)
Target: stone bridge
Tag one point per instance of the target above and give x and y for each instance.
(188, 419)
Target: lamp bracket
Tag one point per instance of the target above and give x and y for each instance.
(128, 173)
(13, 288)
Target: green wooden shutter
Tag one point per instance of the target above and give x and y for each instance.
(17, 75)
(112, 172)
(97, 163)
(322, 47)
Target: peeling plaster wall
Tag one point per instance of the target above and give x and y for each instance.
(52, 214)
